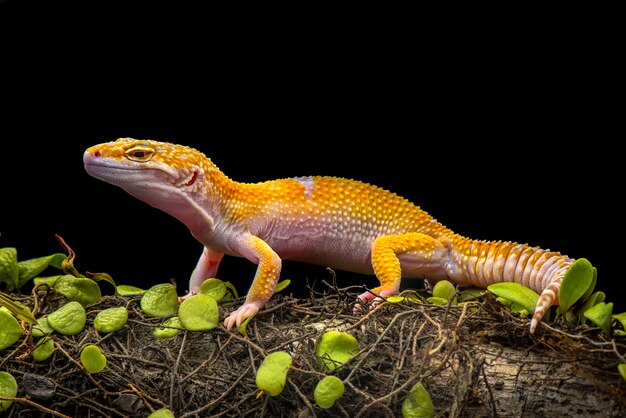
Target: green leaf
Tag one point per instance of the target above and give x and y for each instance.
(282, 285)
(577, 280)
(80, 289)
(21, 311)
(233, 291)
(418, 403)
(162, 413)
(8, 389)
(444, 289)
(69, 319)
(592, 286)
(160, 300)
(473, 307)
(504, 301)
(621, 317)
(199, 313)
(9, 272)
(164, 332)
(395, 299)
(519, 309)
(10, 330)
(335, 348)
(49, 280)
(110, 319)
(45, 348)
(42, 328)
(517, 293)
(242, 328)
(591, 301)
(622, 370)
(28, 269)
(92, 359)
(126, 290)
(272, 373)
(327, 391)
(601, 315)
(470, 294)
(213, 287)
(437, 301)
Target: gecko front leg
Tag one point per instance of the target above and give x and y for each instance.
(206, 268)
(269, 265)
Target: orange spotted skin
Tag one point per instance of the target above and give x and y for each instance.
(336, 222)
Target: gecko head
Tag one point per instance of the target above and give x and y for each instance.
(132, 163)
(167, 176)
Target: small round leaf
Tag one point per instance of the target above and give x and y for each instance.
(335, 348)
(327, 391)
(69, 319)
(199, 312)
(162, 413)
(213, 287)
(164, 332)
(160, 300)
(271, 375)
(444, 289)
(8, 389)
(92, 358)
(10, 330)
(45, 348)
(42, 328)
(127, 290)
(418, 404)
(9, 272)
(48, 280)
(111, 319)
(80, 289)
(437, 301)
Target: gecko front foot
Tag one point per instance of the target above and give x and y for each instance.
(240, 315)
(367, 296)
(186, 296)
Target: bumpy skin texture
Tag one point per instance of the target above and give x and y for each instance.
(336, 222)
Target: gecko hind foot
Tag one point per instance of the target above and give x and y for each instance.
(375, 299)
(240, 315)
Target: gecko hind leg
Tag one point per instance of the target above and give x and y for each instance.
(411, 254)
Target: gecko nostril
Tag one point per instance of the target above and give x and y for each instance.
(96, 154)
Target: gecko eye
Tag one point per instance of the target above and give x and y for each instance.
(140, 154)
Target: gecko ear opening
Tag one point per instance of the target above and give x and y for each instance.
(193, 179)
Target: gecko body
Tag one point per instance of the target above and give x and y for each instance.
(336, 222)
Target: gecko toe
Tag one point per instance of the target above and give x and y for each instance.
(240, 315)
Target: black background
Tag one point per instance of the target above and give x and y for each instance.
(504, 130)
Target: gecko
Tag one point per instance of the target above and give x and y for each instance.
(331, 221)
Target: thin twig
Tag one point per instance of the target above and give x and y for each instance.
(42, 408)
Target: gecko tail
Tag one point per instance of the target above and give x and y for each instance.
(549, 296)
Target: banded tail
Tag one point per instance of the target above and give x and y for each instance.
(482, 263)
